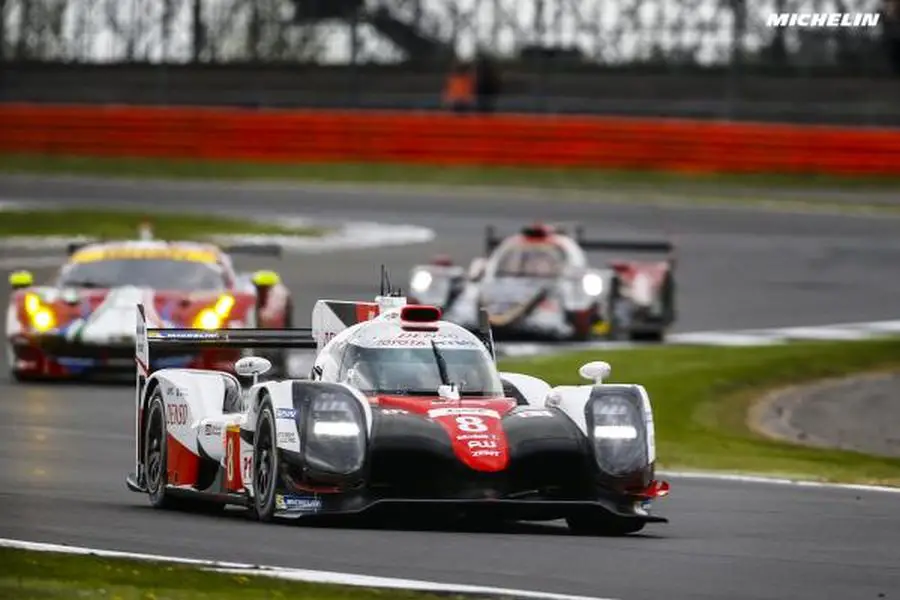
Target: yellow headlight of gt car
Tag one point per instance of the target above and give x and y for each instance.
(212, 318)
(41, 317)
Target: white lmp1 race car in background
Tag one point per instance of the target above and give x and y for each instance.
(403, 413)
(539, 284)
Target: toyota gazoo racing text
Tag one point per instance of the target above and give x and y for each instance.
(403, 414)
(82, 322)
(539, 285)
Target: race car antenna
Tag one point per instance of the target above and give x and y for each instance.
(386, 288)
(385, 282)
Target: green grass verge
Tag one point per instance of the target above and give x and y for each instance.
(117, 224)
(27, 575)
(707, 188)
(701, 397)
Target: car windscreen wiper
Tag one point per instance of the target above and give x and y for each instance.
(441, 363)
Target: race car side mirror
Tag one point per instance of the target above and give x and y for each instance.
(264, 281)
(595, 371)
(21, 279)
(252, 366)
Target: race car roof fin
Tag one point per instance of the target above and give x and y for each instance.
(420, 317)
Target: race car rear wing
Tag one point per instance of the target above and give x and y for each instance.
(149, 339)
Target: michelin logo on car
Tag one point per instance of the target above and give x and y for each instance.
(297, 503)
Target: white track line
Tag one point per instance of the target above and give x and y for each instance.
(305, 575)
(738, 478)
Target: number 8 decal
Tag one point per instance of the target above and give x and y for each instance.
(229, 462)
(471, 424)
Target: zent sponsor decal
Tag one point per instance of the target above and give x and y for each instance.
(176, 414)
(285, 413)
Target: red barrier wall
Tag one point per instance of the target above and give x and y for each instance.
(439, 138)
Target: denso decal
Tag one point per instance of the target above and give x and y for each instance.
(176, 414)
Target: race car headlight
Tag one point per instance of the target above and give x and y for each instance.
(212, 318)
(592, 284)
(421, 281)
(41, 317)
(335, 441)
(617, 430)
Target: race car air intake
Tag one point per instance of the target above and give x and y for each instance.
(335, 434)
(617, 428)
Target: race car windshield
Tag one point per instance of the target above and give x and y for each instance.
(531, 260)
(156, 274)
(416, 372)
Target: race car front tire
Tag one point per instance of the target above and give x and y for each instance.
(156, 453)
(265, 464)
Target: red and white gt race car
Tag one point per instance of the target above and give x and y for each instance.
(403, 414)
(81, 323)
(540, 284)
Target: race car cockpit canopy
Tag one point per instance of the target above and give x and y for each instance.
(530, 259)
(392, 360)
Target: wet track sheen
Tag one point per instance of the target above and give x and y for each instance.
(64, 450)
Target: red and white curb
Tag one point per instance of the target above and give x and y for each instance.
(300, 575)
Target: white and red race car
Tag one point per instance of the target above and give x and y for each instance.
(539, 284)
(403, 413)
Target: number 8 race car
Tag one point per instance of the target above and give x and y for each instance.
(403, 412)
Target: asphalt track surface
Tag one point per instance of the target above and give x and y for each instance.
(64, 449)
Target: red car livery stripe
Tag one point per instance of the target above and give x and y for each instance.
(182, 465)
(473, 424)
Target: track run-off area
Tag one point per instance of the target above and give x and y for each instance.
(65, 449)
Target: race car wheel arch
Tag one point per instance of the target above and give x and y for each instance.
(265, 462)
